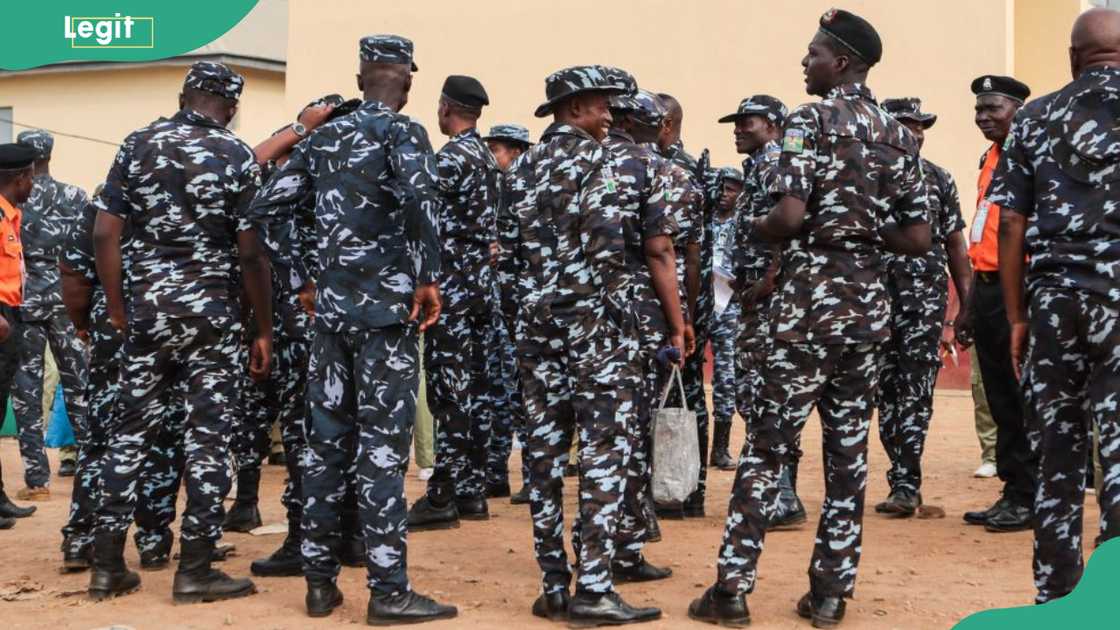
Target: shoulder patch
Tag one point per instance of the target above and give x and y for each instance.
(773, 151)
(794, 141)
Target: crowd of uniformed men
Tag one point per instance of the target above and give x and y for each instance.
(208, 289)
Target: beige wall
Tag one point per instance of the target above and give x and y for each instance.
(1042, 42)
(108, 104)
(709, 53)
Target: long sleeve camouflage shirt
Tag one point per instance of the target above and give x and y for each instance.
(857, 169)
(47, 214)
(371, 177)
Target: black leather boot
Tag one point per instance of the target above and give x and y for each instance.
(521, 497)
(323, 596)
(157, 557)
(589, 610)
(196, 581)
(352, 552)
(410, 607)
(243, 515)
(552, 606)
(426, 515)
(649, 515)
(11, 510)
(497, 489)
(715, 606)
(76, 556)
(472, 508)
(284, 562)
(110, 577)
(825, 612)
(721, 440)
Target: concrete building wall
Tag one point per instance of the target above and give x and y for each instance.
(108, 104)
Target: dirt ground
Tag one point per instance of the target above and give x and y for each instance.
(915, 574)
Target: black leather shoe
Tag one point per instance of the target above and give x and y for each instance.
(901, 503)
(1013, 518)
(277, 459)
(196, 582)
(243, 515)
(722, 460)
(720, 457)
(552, 606)
(411, 607)
(641, 571)
(352, 553)
(653, 527)
(284, 562)
(499, 490)
(694, 506)
(715, 606)
(110, 576)
(11, 510)
(75, 556)
(589, 610)
(424, 515)
(788, 516)
(825, 612)
(473, 508)
(522, 496)
(981, 517)
(67, 468)
(671, 511)
(7, 523)
(322, 598)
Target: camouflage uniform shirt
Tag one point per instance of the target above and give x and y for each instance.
(47, 216)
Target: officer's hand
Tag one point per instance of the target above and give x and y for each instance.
(688, 338)
(312, 117)
(260, 358)
(426, 298)
(117, 319)
(948, 338)
(1018, 348)
(5, 329)
(678, 342)
(307, 298)
(962, 328)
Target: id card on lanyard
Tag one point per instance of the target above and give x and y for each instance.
(976, 234)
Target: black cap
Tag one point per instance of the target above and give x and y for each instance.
(1001, 86)
(465, 91)
(909, 108)
(854, 33)
(16, 157)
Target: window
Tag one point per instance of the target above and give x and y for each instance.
(5, 125)
(1107, 4)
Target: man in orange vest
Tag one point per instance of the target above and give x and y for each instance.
(15, 188)
(983, 318)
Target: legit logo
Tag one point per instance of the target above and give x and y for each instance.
(110, 32)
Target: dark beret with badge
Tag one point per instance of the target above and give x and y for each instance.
(40, 140)
(563, 84)
(759, 105)
(465, 91)
(215, 78)
(853, 33)
(391, 49)
(1001, 86)
(642, 105)
(515, 134)
(909, 108)
(16, 157)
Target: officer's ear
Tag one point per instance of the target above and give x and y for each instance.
(182, 101)
(361, 85)
(233, 110)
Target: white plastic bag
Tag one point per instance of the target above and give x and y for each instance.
(676, 448)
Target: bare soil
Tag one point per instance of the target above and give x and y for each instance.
(916, 573)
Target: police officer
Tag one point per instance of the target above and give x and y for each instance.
(373, 180)
(1057, 185)
(507, 142)
(841, 200)
(16, 186)
(455, 357)
(576, 341)
(919, 295)
(52, 205)
(758, 126)
(725, 327)
(646, 199)
(983, 318)
(189, 229)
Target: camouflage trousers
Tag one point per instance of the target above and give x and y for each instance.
(840, 381)
(361, 396)
(756, 341)
(634, 526)
(280, 399)
(1071, 379)
(167, 362)
(455, 358)
(907, 374)
(27, 389)
(508, 409)
(162, 470)
(578, 376)
(725, 343)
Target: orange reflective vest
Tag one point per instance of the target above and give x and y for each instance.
(11, 255)
(983, 239)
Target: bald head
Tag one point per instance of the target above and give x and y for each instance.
(670, 132)
(1095, 40)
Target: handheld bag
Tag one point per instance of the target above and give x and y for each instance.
(676, 448)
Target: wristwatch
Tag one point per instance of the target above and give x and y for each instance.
(300, 129)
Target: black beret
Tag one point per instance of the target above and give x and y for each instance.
(854, 33)
(465, 91)
(15, 156)
(1001, 86)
